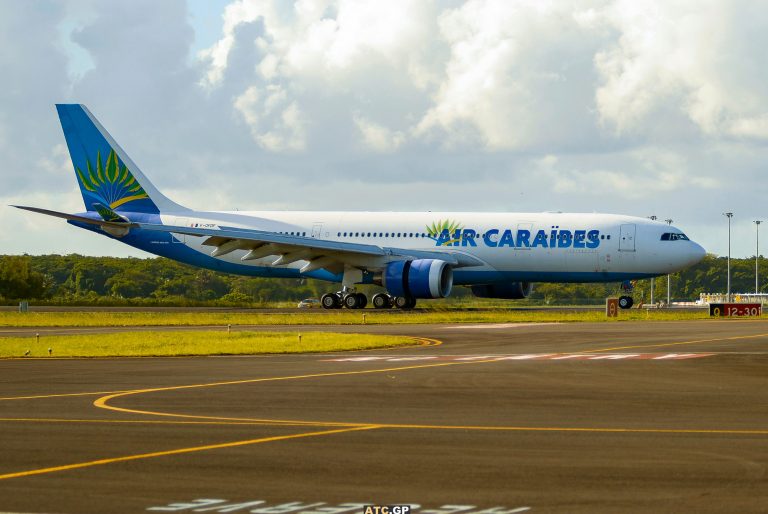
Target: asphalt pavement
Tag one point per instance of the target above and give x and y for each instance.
(571, 417)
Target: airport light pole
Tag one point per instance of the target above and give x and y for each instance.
(757, 255)
(729, 215)
(653, 279)
(669, 279)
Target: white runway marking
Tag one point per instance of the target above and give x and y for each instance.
(497, 325)
(531, 356)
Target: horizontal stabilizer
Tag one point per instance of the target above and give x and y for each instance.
(75, 217)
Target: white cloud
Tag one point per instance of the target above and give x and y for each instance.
(687, 60)
(378, 137)
(505, 80)
(276, 123)
(58, 162)
(314, 37)
(639, 174)
(235, 14)
(750, 127)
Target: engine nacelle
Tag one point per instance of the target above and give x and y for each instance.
(422, 278)
(508, 291)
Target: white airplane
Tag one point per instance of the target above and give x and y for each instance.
(411, 254)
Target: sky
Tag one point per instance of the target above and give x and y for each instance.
(643, 108)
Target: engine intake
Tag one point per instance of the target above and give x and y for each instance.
(505, 291)
(421, 278)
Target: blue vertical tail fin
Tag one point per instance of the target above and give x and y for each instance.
(106, 175)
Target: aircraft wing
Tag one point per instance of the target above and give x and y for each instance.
(320, 253)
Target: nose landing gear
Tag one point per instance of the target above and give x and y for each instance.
(626, 301)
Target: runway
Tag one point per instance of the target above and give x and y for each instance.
(578, 417)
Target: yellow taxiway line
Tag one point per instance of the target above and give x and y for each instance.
(178, 451)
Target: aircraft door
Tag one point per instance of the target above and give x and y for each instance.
(317, 230)
(627, 238)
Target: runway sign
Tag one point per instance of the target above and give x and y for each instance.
(735, 309)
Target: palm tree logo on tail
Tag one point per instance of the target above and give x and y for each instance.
(110, 180)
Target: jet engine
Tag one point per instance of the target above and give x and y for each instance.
(421, 278)
(505, 291)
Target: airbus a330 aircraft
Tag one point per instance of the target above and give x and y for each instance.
(411, 254)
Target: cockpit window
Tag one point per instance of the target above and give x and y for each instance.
(670, 236)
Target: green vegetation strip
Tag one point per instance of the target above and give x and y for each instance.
(169, 344)
(342, 317)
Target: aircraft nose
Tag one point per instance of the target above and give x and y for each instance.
(696, 253)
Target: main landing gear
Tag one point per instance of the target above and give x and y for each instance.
(344, 299)
(385, 301)
(352, 300)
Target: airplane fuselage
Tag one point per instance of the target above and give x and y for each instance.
(535, 247)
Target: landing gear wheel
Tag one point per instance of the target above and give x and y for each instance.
(405, 302)
(351, 301)
(362, 300)
(382, 301)
(330, 301)
(625, 302)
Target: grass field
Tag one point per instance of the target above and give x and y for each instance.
(168, 344)
(341, 317)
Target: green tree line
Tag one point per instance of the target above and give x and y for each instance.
(78, 279)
